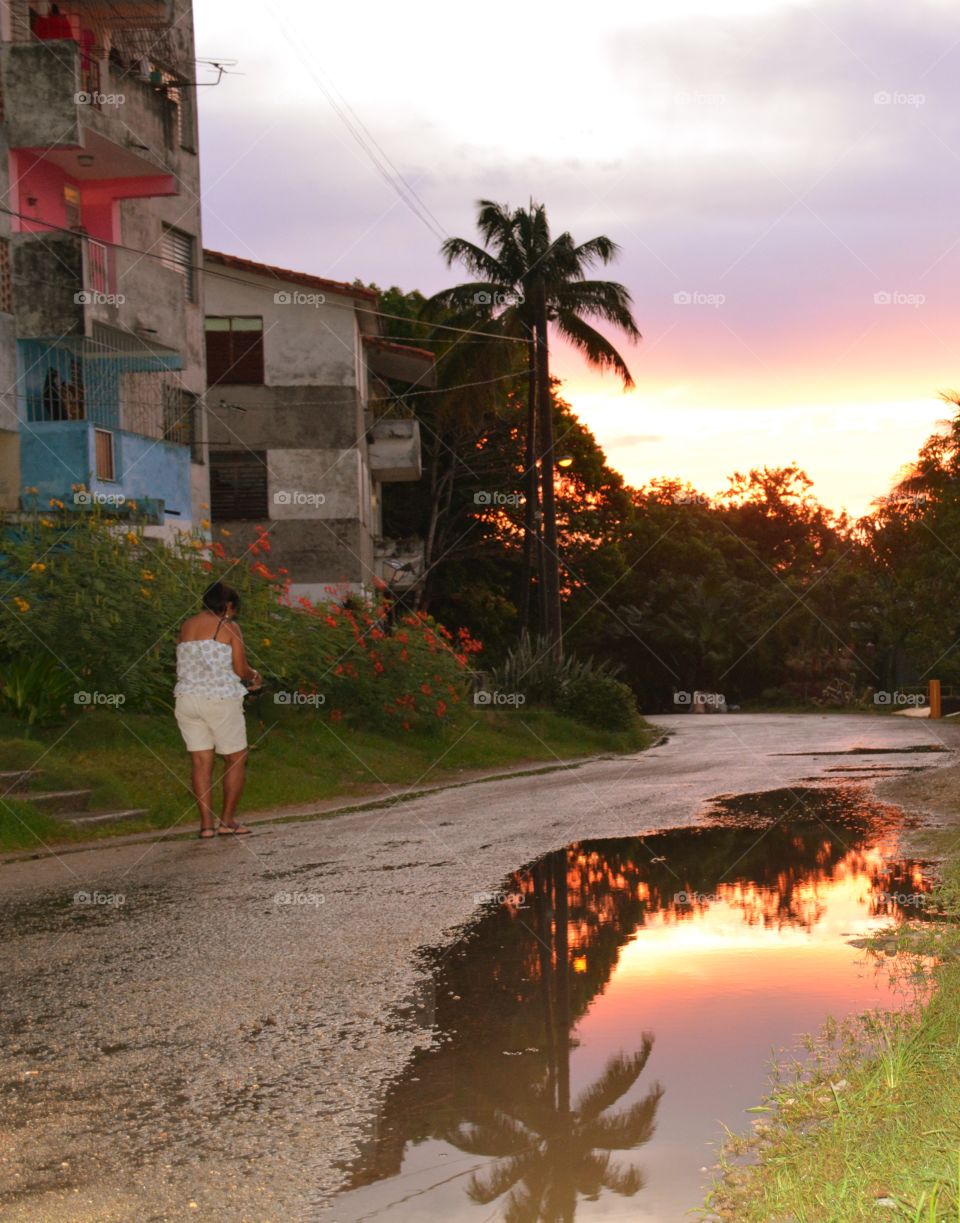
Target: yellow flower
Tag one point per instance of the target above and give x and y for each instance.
(132, 505)
(132, 537)
(197, 544)
(47, 522)
(22, 604)
(148, 576)
(55, 504)
(266, 641)
(145, 592)
(224, 531)
(38, 567)
(205, 523)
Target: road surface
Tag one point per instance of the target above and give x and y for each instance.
(202, 1030)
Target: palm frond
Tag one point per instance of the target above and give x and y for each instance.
(619, 1075)
(596, 347)
(604, 299)
(626, 1130)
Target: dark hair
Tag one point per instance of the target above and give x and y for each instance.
(218, 597)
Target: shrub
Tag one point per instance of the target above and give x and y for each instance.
(599, 701)
(530, 668)
(36, 690)
(101, 604)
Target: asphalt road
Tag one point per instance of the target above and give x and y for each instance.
(201, 1030)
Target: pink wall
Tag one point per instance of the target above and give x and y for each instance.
(34, 177)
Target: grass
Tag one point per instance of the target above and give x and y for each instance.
(872, 1131)
(138, 761)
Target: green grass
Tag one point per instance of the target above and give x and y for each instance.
(138, 761)
(873, 1131)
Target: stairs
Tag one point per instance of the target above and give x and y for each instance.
(68, 806)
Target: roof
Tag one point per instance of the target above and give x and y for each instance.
(397, 346)
(301, 278)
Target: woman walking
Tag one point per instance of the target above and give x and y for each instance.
(213, 677)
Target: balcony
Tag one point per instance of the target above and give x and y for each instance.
(399, 563)
(394, 450)
(68, 283)
(115, 386)
(72, 107)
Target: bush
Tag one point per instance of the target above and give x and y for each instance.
(579, 688)
(599, 701)
(102, 604)
(531, 669)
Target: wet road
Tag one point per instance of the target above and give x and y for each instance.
(201, 1029)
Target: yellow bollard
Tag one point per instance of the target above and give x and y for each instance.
(933, 695)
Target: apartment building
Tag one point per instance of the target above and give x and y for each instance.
(101, 303)
(304, 425)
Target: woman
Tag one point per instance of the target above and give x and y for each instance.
(212, 679)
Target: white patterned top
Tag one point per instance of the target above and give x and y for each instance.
(205, 668)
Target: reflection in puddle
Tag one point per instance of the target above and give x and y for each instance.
(600, 1027)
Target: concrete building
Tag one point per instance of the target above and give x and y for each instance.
(99, 137)
(303, 426)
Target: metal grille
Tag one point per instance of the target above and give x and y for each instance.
(111, 386)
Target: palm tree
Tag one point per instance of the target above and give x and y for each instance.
(527, 281)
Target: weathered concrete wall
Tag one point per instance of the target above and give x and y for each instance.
(283, 416)
(306, 342)
(314, 484)
(317, 552)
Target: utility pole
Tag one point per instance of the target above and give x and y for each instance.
(551, 560)
(531, 516)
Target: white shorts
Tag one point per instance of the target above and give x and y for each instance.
(211, 723)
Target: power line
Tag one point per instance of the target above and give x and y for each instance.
(267, 274)
(365, 139)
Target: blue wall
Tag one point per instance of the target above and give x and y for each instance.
(56, 454)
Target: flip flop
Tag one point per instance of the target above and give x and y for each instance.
(206, 833)
(233, 830)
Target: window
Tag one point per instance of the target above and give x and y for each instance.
(181, 420)
(176, 250)
(234, 350)
(103, 442)
(238, 484)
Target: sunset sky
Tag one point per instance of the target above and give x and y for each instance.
(781, 178)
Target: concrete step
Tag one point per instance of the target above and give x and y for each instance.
(53, 802)
(13, 782)
(101, 817)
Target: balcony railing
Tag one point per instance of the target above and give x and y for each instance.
(80, 379)
(98, 266)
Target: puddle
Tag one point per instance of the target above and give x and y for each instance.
(620, 1001)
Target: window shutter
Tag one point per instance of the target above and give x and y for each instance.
(177, 252)
(238, 485)
(234, 351)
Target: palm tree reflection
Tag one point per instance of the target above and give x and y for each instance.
(549, 1155)
(548, 1152)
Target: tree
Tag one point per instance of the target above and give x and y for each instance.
(527, 281)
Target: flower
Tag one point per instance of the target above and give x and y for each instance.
(38, 567)
(266, 641)
(131, 505)
(47, 522)
(56, 504)
(145, 592)
(132, 537)
(224, 532)
(441, 708)
(336, 715)
(205, 523)
(22, 604)
(147, 576)
(426, 690)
